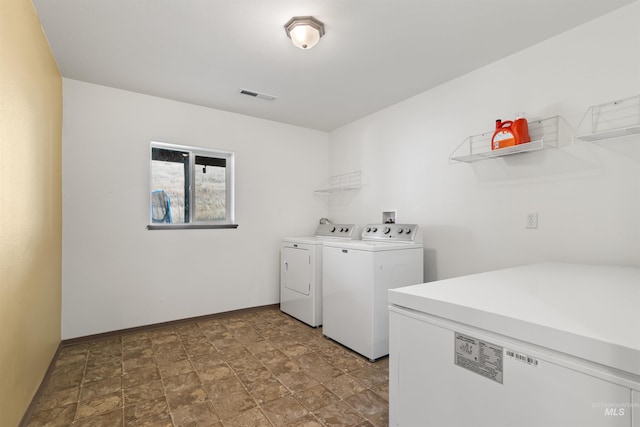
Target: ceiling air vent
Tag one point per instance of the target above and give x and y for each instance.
(258, 95)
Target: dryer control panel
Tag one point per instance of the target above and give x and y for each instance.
(345, 231)
(408, 233)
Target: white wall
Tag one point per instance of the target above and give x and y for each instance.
(473, 216)
(116, 273)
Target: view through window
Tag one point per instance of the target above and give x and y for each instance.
(191, 186)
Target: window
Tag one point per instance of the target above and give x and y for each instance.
(191, 187)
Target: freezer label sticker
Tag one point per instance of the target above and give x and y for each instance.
(522, 357)
(479, 356)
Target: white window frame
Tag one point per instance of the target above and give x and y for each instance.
(229, 156)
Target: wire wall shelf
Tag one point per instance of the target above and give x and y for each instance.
(344, 182)
(545, 133)
(611, 120)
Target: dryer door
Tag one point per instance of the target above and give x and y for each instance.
(296, 269)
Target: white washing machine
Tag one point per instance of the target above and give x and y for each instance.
(356, 277)
(301, 271)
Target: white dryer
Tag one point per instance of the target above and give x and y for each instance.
(301, 271)
(356, 278)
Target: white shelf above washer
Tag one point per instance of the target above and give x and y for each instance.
(610, 120)
(544, 134)
(483, 155)
(343, 182)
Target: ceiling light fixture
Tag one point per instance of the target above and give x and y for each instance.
(304, 31)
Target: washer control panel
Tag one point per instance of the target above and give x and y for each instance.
(336, 230)
(395, 232)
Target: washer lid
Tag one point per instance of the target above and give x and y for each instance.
(586, 311)
(372, 246)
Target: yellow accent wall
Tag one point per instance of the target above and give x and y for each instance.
(30, 207)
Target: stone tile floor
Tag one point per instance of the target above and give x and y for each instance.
(260, 368)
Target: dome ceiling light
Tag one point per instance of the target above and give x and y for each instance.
(304, 31)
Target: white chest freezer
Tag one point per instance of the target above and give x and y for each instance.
(542, 345)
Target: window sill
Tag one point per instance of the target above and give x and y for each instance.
(190, 226)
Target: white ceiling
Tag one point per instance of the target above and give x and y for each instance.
(375, 53)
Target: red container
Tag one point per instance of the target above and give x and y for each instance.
(521, 130)
(503, 135)
(510, 133)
